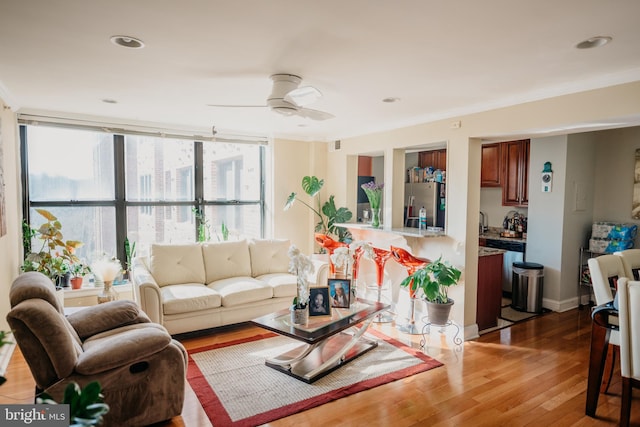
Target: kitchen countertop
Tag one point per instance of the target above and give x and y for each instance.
(484, 251)
(494, 234)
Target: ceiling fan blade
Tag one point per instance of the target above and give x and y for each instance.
(303, 96)
(313, 114)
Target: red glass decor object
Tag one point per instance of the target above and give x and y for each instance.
(410, 262)
(330, 245)
(380, 257)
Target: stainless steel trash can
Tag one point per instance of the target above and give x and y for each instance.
(528, 283)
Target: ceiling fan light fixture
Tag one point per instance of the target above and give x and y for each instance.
(127, 41)
(594, 42)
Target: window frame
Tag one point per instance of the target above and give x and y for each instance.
(120, 202)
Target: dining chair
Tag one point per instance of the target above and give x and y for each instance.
(631, 263)
(628, 303)
(605, 271)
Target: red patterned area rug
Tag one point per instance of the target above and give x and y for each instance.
(236, 388)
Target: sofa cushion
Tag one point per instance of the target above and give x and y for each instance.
(269, 256)
(283, 284)
(241, 290)
(226, 259)
(189, 297)
(171, 264)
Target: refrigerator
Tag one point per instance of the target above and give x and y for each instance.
(431, 195)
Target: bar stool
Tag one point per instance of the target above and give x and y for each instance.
(412, 264)
(381, 256)
(330, 245)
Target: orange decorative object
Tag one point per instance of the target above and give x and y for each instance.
(410, 262)
(380, 258)
(356, 262)
(330, 245)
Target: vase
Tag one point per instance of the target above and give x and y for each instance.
(299, 316)
(375, 217)
(108, 293)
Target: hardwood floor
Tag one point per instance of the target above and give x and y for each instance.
(531, 374)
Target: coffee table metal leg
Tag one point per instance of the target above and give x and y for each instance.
(311, 362)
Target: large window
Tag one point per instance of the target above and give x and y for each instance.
(105, 187)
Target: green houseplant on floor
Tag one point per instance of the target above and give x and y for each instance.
(328, 214)
(434, 280)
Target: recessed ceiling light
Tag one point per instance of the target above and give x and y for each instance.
(593, 42)
(128, 42)
(391, 100)
(109, 101)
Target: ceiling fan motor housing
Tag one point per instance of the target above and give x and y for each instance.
(282, 85)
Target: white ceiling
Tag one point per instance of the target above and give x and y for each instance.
(441, 58)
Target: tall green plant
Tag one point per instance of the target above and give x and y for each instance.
(328, 214)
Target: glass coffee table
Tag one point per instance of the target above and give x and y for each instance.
(328, 342)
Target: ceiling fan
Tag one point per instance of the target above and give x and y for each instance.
(289, 98)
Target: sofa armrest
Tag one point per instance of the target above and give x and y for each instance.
(147, 291)
(320, 275)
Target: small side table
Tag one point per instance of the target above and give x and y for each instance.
(87, 296)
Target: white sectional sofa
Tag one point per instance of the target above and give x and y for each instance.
(198, 286)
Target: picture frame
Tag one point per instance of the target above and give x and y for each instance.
(319, 302)
(340, 292)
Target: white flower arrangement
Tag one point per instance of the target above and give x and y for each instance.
(300, 265)
(107, 270)
(365, 246)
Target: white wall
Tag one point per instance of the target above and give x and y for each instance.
(546, 211)
(491, 205)
(10, 243)
(614, 172)
(291, 161)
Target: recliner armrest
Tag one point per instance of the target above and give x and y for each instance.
(103, 317)
(122, 348)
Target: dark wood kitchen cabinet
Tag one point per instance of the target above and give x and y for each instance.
(435, 158)
(489, 300)
(515, 177)
(491, 173)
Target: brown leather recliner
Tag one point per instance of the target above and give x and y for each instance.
(141, 369)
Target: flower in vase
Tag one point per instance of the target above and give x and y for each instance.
(300, 265)
(374, 193)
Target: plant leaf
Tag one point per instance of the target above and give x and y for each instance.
(290, 200)
(48, 215)
(312, 185)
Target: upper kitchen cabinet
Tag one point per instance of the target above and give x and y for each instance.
(437, 159)
(491, 174)
(515, 178)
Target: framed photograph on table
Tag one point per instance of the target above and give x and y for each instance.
(319, 302)
(340, 291)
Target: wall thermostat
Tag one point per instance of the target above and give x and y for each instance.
(547, 178)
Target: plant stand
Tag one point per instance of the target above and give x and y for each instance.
(426, 330)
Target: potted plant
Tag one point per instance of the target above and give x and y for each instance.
(434, 280)
(328, 214)
(78, 271)
(56, 255)
(301, 266)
